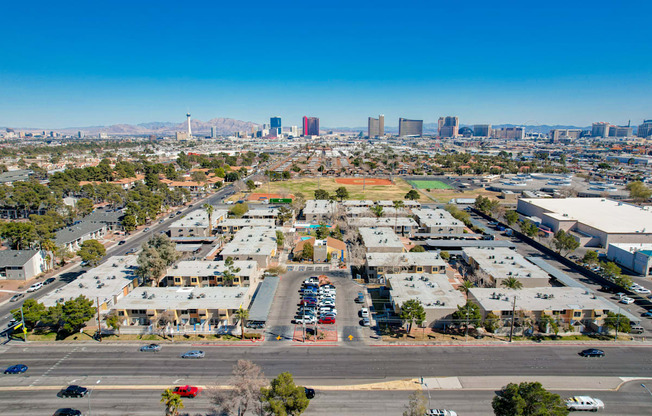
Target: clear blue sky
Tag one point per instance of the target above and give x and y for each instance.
(80, 63)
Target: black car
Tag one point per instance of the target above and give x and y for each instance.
(50, 280)
(122, 242)
(74, 391)
(67, 411)
(592, 352)
(310, 393)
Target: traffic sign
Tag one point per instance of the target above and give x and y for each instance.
(350, 337)
(278, 338)
(280, 200)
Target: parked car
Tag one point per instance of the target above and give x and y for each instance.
(584, 403)
(312, 279)
(647, 314)
(327, 302)
(74, 391)
(151, 348)
(187, 391)
(327, 315)
(441, 412)
(193, 354)
(132, 251)
(326, 309)
(308, 302)
(326, 320)
(626, 300)
(592, 352)
(642, 291)
(360, 298)
(16, 297)
(35, 287)
(365, 322)
(364, 313)
(636, 329)
(306, 320)
(310, 393)
(67, 411)
(49, 281)
(16, 369)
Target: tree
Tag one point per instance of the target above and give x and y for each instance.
(129, 222)
(417, 403)
(564, 241)
(91, 252)
(69, 317)
(33, 312)
(417, 249)
(412, 312)
(512, 283)
(398, 205)
(529, 228)
(511, 217)
(491, 322)
(245, 390)
(473, 310)
(341, 193)
(321, 232)
(445, 255)
(113, 321)
(250, 184)
(486, 205)
(283, 397)
(412, 195)
(280, 238)
(284, 214)
(638, 191)
(307, 252)
(591, 257)
(238, 210)
(613, 321)
(321, 194)
(466, 286)
(549, 324)
(84, 206)
(209, 211)
(377, 210)
(528, 399)
(173, 402)
(156, 256)
(243, 315)
(20, 235)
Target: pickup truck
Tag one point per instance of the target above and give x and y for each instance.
(584, 403)
(187, 391)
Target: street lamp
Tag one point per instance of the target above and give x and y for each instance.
(90, 391)
(428, 390)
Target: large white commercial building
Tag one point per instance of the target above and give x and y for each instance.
(635, 257)
(497, 264)
(592, 221)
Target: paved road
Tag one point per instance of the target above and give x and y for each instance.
(354, 362)
(630, 399)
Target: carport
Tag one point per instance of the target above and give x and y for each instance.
(263, 298)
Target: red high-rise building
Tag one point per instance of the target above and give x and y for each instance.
(310, 126)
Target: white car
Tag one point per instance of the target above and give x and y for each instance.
(626, 300)
(327, 302)
(306, 320)
(364, 312)
(584, 403)
(35, 287)
(441, 412)
(327, 310)
(642, 291)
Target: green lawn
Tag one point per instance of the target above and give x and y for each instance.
(429, 184)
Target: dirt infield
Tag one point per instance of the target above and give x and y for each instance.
(363, 181)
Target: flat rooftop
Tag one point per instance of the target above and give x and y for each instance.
(433, 290)
(501, 262)
(104, 282)
(199, 218)
(436, 217)
(405, 259)
(383, 222)
(201, 268)
(318, 206)
(600, 213)
(251, 241)
(540, 299)
(247, 222)
(182, 298)
(261, 212)
(381, 237)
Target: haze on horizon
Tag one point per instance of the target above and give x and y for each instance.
(569, 63)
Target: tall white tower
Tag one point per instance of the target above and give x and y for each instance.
(189, 131)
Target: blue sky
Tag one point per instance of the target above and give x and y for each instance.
(81, 63)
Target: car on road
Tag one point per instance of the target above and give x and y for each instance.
(12, 322)
(636, 329)
(122, 242)
(16, 297)
(592, 352)
(360, 298)
(326, 320)
(16, 369)
(132, 251)
(74, 391)
(441, 412)
(151, 348)
(49, 280)
(187, 391)
(584, 403)
(67, 411)
(193, 354)
(146, 229)
(626, 300)
(35, 287)
(310, 393)
(162, 221)
(229, 202)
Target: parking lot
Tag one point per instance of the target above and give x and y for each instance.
(285, 307)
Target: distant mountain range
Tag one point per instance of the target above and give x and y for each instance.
(158, 128)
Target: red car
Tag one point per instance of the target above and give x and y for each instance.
(187, 391)
(327, 320)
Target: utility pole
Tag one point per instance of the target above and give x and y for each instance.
(99, 322)
(466, 327)
(617, 324)
(22, 321)
(511, 329)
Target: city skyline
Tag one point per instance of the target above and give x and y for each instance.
(500, 68)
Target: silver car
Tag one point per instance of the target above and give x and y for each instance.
(193, 354)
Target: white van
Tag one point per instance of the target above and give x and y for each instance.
(584, 403)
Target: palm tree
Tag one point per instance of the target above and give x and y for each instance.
(242, 314)
(512, 283)
(173, 402)
(397, 205)
(466, 286)
(51, 248)
(209, 210)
